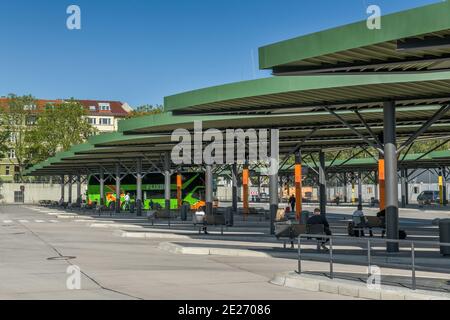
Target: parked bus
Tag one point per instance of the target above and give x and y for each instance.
(192, 191)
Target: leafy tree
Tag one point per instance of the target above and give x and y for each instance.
(59, 127)
(5, 134)
(146, 109)
(19, 116)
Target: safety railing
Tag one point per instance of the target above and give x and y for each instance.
(411, 244)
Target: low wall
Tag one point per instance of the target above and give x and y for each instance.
(35, 192)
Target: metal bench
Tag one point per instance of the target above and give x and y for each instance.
(291, 231)
(288, 232)
(162, 214)
(370, 223)
(209, 220)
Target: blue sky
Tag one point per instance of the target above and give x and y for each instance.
(139, 51)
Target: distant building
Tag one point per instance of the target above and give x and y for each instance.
(102, 114)
(105, 115)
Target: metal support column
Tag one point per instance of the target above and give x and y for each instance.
(273, 180)
(375, 190)
(404, 187)
(381, 182)
(69, 191)
(322, 184)
(391, 175)
(139, 187)
(209, 189)
(117, 207)
(345, 187)
(360, 201)
(298, 185)
(234, 191)
(102, 187)
(245, 191)
(179, 190)
(78, 190)
(444, 187)
(167, 175)
(62, 187)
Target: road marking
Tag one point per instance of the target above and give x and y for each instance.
(7, 221)
(54, 221)
(23, 221)
(39, 221)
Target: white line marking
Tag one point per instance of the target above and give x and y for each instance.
(54, 221)
(39, 221)
(7, 221)
(23, 221)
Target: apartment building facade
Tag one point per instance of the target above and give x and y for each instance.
(101, 114)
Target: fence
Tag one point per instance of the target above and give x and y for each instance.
(410, 243)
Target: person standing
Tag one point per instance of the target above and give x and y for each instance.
(292, 203)
(127, 201)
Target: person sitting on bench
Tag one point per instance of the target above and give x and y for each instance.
(319, 218)
(382, 216)
(201, 213)
(359, 221)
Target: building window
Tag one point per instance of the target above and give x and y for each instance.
(31, 120)
(92, 121)
(105, 121)
(29, 107)
(7, 170)
(92, 108)
(12, 154)
(13, 137)
(104, 106)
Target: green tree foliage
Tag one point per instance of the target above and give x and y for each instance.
(59, 127)
(144, 110)
(5, 134)
(19, 116)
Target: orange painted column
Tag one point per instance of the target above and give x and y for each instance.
(381, 184)
(179, 186)
(298, 186)
(245, 194)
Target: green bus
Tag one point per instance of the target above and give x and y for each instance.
(192, 190)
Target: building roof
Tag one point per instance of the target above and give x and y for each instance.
(412, 40)
(118, 109)
(309, 93)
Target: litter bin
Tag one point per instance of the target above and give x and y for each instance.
(229, 216)
(304, 216)
(184, 212)
(444, 235)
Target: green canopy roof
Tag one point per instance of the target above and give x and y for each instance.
(303, 93)
(410, 40)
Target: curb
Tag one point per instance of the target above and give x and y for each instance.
(352, 288)
(148, 235)
(179, 249)
(113, 226)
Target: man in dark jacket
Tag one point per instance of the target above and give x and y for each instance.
(292, 203)
(318, 219)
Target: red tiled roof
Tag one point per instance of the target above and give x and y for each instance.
(117, 107)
